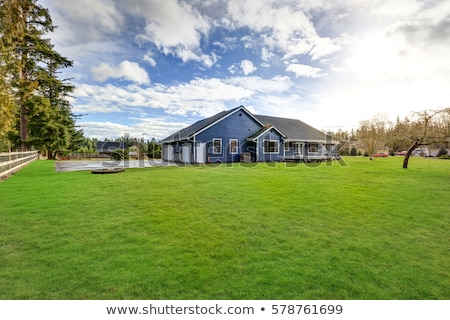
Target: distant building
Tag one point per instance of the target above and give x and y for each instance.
(421, 152)
(106, 147)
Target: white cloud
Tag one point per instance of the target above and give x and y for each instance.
(102, 130)
(247, 67)
(229, 43)
(232, 69)
(126, 70)
(398, 9)
(267, 55)
(405, 51)
(258, 85)
(146, 128)
(93, 19)
(203, 97)
(302, 70)
(209, 90)
(209, 60)
(176, 28)
(285, 26)
(248, 42)
(163, 23)
(150, 60)
(324, 47)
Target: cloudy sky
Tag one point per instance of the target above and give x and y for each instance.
(151, 67)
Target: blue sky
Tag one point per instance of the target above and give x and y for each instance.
(151, 67)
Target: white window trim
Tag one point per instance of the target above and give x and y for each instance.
(271, 152)
(287, 146)
(214, 147)
(313, 146)
(237, 146)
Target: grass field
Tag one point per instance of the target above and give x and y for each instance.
(367, 230)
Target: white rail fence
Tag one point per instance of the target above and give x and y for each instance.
(11, 162)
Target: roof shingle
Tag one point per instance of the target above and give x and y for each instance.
(293, 129)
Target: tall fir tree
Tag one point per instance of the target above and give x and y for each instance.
(8, 107)
(44, 114)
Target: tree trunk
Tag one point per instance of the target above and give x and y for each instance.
(408, 154)
(23, 128)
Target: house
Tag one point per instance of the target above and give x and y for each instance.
(106, 147)
(238, 135)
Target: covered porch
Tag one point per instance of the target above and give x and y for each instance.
(308, 151)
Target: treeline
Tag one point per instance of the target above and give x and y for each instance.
(429, 128)
(34, 109)
(151, 148)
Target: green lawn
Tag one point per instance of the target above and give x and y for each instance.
(367, 230)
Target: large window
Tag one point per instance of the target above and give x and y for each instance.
(217, 146)
(271, 146)
(313, 147)
(234, 147)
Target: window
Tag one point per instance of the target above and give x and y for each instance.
(271, 146)
(286, 146)
(217, 146)
(313, 147)
(234, 146)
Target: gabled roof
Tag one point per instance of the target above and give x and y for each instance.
(263, 130)
(294, 129)
(290, 129)
(199, 126)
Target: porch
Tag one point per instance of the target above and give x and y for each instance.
(309, 151)
(312, 157)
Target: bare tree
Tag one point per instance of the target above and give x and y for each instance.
(372, 133)
(428, 129)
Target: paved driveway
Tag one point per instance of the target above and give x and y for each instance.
(62, 166)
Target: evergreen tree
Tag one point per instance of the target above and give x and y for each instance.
(43, 113)
(154, 149)
(8, 108)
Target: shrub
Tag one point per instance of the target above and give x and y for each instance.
(120, 154)
(442, 152)
(353, 152)
(445, 156)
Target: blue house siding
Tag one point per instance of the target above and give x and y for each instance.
(237, 126)
(265, 152)
(290, 150)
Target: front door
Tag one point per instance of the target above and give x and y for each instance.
(186, 152)
(200, 152)
(168, 152)
(298, 149)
